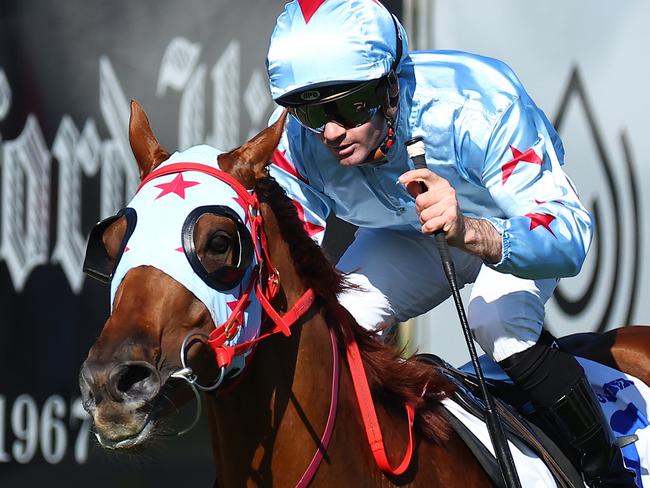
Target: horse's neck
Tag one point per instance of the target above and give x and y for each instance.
(268, 425)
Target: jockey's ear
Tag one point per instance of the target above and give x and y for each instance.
(249, 162)
(147, 150)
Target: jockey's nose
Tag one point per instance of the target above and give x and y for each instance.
(333, 133)
(133, 382)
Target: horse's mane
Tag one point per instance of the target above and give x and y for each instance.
(392, 378)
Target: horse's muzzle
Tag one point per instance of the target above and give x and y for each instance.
(119, 396)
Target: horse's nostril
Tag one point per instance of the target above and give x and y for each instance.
(131, 377)
(134, 381)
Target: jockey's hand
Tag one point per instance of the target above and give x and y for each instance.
(438, 206)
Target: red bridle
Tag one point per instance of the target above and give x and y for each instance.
(282, 324)
(226, 331)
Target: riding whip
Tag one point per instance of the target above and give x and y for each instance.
(416, 150)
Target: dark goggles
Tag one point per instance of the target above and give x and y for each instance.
(349, 105)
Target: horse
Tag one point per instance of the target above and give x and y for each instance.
(294, 413)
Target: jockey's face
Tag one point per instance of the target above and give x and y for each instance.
(352, 146)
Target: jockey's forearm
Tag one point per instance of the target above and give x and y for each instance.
(482, 239)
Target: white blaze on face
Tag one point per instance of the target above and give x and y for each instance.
(162, 206)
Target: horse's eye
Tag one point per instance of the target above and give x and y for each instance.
(219, 243)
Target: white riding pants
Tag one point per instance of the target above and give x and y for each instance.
(400, 276)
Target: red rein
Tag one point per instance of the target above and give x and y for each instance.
(282, 324)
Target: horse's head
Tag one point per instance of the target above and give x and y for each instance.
(179, 259)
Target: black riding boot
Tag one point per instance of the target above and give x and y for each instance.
(580, 422)
(563, 399)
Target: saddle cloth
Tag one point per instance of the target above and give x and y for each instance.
(624, 399)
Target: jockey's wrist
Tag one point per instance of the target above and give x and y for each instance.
(482, 240)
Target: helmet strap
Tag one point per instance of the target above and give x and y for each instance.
(389, 111)
(378, 156)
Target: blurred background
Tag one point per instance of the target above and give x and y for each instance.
(67, 72)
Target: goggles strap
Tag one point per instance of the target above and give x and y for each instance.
(379, 155)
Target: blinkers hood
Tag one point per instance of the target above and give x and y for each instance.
(161, 219)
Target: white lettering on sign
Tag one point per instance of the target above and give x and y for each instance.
(225, 79)
(5, 95)
(25, 163)
(24, 427)
(77, 154)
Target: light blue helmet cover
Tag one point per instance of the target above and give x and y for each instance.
(324, 42)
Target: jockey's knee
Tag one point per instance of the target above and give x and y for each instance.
(367, 304)
(507, 325)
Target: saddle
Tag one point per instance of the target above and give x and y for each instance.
(517, 415)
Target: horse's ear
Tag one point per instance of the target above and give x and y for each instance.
(147, 150)
(249, 162)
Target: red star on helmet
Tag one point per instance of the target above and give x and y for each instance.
(543, 219)
(530, 156)
(309, 8)
(178, 186)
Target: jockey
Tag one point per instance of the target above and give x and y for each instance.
(495, 187)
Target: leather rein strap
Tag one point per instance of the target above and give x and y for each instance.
(282, 324)
(369, 415)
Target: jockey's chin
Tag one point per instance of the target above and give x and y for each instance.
(352, 146)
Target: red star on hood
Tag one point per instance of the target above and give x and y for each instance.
(232, 305)
(177, 186)
(530, 156)
(543, 219)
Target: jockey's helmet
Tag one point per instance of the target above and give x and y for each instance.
(321, 43)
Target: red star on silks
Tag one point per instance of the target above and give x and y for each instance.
(177, 186)
(280, 160)
(179, 249)
(311, 228)
(127, 249)
(543, 219)
(530, 156)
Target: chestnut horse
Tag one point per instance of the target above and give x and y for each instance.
(270, 422)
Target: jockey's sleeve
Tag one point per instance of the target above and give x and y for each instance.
(547, 230)
(313, 207)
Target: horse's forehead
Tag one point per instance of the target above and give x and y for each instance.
(180, 193)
